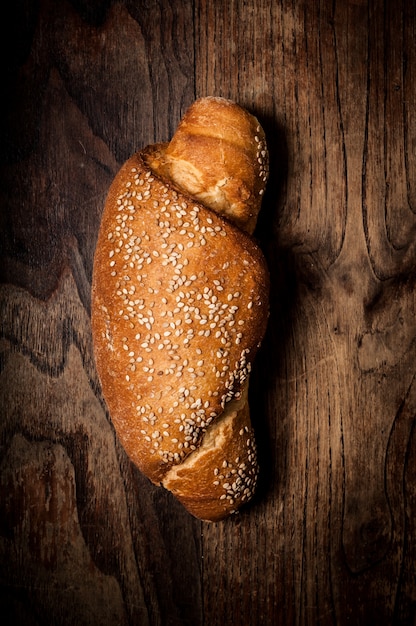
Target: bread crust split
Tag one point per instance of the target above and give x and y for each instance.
(179, 308)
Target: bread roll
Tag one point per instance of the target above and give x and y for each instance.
(180, 306)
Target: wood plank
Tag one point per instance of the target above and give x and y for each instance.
(84, 537)
(336, 377)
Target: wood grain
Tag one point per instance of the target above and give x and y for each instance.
(331, 538)
(341, 346)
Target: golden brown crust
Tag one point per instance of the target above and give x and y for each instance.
(218, 155)
(179, 307)
(221, 475)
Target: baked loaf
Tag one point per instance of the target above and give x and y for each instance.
(180, 306)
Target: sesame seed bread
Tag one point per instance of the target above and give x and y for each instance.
(179, 308)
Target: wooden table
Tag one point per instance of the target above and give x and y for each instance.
(331, 538)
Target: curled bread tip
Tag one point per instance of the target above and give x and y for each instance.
(219, 156)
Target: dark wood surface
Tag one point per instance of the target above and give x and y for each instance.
(331, 538)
